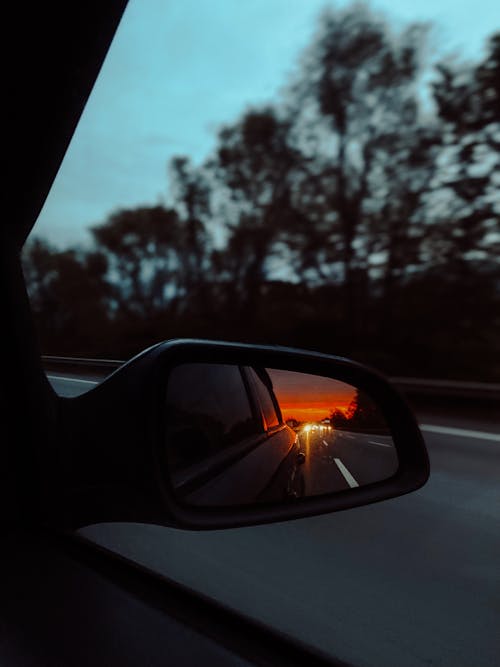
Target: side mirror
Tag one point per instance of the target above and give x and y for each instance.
(200, 435)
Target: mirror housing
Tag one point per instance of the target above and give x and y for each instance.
(111, 458)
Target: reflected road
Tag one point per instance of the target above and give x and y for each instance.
(337, 460)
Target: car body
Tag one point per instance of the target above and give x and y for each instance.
(224, 425)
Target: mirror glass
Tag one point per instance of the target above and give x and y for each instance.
(239, 435)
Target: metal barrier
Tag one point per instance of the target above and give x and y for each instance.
(80, 361)
(448, 388)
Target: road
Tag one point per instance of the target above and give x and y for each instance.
(409, 582)
(336, 460)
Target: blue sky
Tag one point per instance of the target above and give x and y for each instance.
(178, 69)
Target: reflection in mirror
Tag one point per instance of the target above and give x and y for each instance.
(240, 435)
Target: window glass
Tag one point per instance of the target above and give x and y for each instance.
(263, 386)
(293, 171)
(208, 409)
(317, 174)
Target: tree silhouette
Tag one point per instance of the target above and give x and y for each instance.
(356, 91)
(191, 193)
(57, 280)
(468, 100)
(365, 415)
(345, 217)
(141, 246)
(254, 166)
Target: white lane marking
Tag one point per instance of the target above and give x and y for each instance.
(347, 475)
(447, 430)
(380, 444)
(59, 377)
(325, 443)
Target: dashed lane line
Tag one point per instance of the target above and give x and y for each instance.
(346, 474)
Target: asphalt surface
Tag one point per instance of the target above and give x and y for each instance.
(413, 581)
(336, 460)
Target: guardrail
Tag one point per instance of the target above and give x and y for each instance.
(412, 387)
(448, 388)
(77, 363)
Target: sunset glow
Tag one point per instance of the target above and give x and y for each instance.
(309, 398)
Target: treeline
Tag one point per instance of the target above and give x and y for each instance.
(356, 216)
(362, 415)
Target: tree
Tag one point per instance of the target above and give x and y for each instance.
(191, 193)
(338, 419)
(142, 248)
(468, 102)
(56, 281)
(356, 91)
(254, 168)
(364, 414)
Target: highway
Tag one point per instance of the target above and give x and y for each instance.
(413, 581)
(336, 460)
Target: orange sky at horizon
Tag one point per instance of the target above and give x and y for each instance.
(309, 398)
